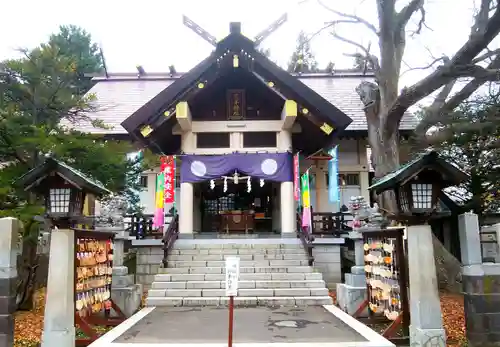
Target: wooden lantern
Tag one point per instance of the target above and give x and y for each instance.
(418, 184)
(63, 188)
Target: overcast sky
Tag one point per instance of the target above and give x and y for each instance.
(151, 33)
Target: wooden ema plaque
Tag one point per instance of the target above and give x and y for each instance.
(386, 282)
(93, 277)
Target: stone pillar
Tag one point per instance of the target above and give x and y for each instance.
(9, 231)
(125, 293)
(352, 293)
(186, 210)
(287, 210)
(59, 321)
(481, 286)
(426, 327)
(470, 241)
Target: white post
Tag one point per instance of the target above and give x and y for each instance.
(470, 240)
(426, 327)
(59, 321)
(287, 210)
(186, 210)
(9, 229)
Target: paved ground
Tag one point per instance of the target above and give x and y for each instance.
(251, 325)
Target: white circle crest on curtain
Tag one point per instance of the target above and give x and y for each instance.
(198, 168)
(269, 166)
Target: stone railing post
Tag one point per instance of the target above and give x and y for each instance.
(125, 293)
(59, 320)
(352, 293)
(9, 233)
(481, 286)
(426, 328)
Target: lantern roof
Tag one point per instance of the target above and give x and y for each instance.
(32, 179)
(450, 174)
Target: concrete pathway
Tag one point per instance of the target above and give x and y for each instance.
(312, 326)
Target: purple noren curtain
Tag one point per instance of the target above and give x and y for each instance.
(268, 166)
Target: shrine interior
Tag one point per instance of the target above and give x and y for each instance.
(237, 209)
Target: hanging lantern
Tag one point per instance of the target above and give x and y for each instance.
(261, 182)
(236, 177)
(225, 184)
(212, 184)
(249, 185)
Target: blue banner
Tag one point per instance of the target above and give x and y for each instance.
(333, 176)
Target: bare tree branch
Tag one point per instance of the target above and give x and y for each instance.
(372, 58)
(486, 55)
(469, 89)
(458, 66)
(352, 17)
(428, 66)
(433, 112)
(481, 20)
(405, 14)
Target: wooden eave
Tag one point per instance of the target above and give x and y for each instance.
(430, 160)
(32, 179)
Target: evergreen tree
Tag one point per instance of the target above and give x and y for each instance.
(302, 59)
(37, 92)
(75, 42)
(470, 137)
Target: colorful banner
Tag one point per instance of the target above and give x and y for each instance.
(306, 200)
(304, 188)
(169, 172)
(159, 217)
(333, 176)
(296, 175)
(165, 189)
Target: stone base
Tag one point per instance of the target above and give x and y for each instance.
(125, 294)
(481, 284)
(355, 280)
(58, 338)
(128, 299)
(427, 337)
(350, 298)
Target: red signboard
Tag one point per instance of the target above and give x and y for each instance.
(168, 169)
(296, 175)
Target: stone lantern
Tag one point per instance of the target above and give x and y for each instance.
(64, 190)
(417, 186)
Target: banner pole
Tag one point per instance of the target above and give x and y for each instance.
(231, 320)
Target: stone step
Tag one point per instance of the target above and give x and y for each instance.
(236, 251)
(242, 257)
(263, 292)
(241, 284)
(221, 270)
(243, 263)
(237, 245)
(260, 276)
(240, 301)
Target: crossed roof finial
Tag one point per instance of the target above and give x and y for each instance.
(234, 27)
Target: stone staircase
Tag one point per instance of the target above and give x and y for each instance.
(273, 272)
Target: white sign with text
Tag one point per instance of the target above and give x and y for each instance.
(232, 275)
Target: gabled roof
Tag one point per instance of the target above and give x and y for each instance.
(121, 94)
(430, 159)
(36, 176)
(151, 114)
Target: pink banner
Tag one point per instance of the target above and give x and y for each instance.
(306, 217)
(296, 183)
